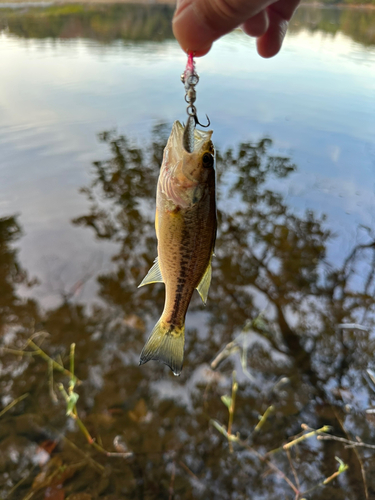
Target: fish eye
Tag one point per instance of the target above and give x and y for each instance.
(208, 160)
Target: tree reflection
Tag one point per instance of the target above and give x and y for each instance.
(270, 259)
(13, 310)
(263, 249)
(104, 23)
(355, 23)
(141, 22)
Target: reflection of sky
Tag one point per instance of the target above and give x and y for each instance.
(315, 100)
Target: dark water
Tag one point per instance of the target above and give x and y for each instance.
(87, 99)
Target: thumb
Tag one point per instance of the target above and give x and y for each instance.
(198, 23)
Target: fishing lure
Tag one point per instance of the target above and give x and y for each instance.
(190, 79)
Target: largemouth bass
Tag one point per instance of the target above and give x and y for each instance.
(185, 226)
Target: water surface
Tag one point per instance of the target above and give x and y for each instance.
(87, 99)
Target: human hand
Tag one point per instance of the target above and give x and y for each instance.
(198, 23)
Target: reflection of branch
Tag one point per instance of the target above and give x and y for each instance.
(37, 351)
(22, 480)
(90, 460)
(71, 399)
(295, 475)
(234, 346)
(352, 255)
(227, 351)
(13, 403)
(69, 395)
(262, 264)
(348, 442)
(371, 275)
(264, 459)
(369, 280)
(171, 484)
(295, 487)
(190, 472)
(232, 295)
(355, 452)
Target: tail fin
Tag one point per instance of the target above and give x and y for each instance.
(166, 344)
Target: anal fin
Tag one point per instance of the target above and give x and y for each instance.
(153, 276)
(204, 284)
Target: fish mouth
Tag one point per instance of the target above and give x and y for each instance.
(199, 139)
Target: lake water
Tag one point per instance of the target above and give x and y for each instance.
(88, 95)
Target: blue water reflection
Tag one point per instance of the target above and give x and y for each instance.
(314, 100)
(71, 89)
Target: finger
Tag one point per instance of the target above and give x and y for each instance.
(269, 44)
(198, 23)
(256, 25)
(279, 14)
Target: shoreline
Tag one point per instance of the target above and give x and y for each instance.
(338, 6)
(41, 3)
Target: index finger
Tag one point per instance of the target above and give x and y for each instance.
(198, 23)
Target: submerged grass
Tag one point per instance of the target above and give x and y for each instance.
(235, 442)
(239, 345)
(265, 458)
(68, 393)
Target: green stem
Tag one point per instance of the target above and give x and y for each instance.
(264, 417)
(72, 352)
(231, 409)
(73, 379)
(308, 435)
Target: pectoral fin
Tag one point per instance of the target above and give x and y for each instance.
(153, 276)
(204, 285)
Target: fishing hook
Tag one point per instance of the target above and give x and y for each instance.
(197, 122)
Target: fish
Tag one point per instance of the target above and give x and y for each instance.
(185, 225)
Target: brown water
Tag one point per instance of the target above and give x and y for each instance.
(88, 96)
